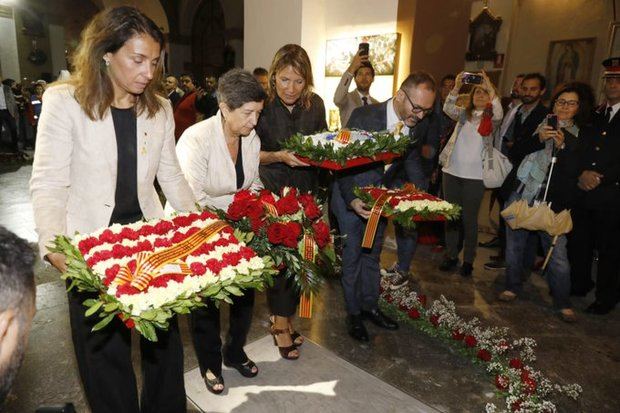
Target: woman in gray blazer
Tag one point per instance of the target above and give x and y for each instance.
(103, 138)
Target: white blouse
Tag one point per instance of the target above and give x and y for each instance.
(208, 166)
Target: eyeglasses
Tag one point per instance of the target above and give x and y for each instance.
(569, 103)
(416, 109)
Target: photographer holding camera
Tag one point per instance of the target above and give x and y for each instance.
(462, 163)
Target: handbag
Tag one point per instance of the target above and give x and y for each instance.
(495, 167)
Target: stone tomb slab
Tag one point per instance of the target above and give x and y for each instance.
(318, 381)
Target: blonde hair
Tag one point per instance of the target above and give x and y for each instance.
(107, 32)
(295, 56)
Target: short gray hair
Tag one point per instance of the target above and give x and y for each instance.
(238, 87)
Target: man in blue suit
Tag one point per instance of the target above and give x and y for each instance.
(360, 267)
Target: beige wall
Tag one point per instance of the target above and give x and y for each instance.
(537, 22)
(440, 36)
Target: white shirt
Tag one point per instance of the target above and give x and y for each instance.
(2, 98)
(466, 160)
(208, 167)
(393, 119)
(614, 110)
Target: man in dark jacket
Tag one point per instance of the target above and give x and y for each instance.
(596, 222)
(360, 267)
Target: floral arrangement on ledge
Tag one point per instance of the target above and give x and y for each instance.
(407, 205)
(346, 145)
(290, 228)
(507, 361)
(146, 272)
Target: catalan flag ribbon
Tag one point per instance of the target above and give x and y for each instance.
(305, 301)
(151, 265)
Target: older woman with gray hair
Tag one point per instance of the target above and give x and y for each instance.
(220, 156)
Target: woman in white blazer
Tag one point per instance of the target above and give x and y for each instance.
(103, 138)
(220, 156)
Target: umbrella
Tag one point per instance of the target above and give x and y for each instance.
(539, 217)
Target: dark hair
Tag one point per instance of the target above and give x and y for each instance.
(260, 71)
(418, 78)
(541, 79)
(447, 77)
(107, 32)
(8, 82)
(16, 270)
(191, 77)
(583, 116)
(368, 65)
(238, 87)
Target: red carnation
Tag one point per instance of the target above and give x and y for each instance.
(422, 299)
(501, 382)
(129, 323)
(214, 265)
(126, 290)
(529, 385)
(236, 210)
(470, 341)
(244, 194)
(107, 236)
(162, 227)
(110, 274)
(321, 233)
(458, 335)
(414, 314)
(276, 233)
(434, 319)
(266, 197)
(256, 224)
(484, 355)
(516, 363)
(293, 231)
(182, 221)
(516, 406)
(287, 205)
(197, 268)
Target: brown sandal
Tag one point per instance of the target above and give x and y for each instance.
(285, 352)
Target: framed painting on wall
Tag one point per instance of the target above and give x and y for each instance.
(614, 40)
(569, 60)
(383, 53)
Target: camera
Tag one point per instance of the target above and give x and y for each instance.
(472, 78)
(364, 49)
(552, 120)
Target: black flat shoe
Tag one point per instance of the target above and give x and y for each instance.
(356, 328)
(380, 319)
(211, 383)
(448, 264)
(466, 270)
(244, 368)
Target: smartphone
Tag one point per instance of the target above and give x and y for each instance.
(472, 78)
(552, 120)
(364, 49)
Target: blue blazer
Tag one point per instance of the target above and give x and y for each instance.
(371, 118)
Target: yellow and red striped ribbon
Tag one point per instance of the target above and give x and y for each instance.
(344, 136)
(305, 301)
(149, 265)
(375, 212)
(271, 208)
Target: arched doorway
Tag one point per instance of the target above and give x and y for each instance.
(208, 40)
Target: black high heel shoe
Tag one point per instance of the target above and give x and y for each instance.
(211, 383)
(244, 368)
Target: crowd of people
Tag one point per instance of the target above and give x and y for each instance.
(205, 144)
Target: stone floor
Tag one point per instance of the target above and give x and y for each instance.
(587, 353)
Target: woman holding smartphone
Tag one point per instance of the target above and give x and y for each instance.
(555, 139)
(462, 164)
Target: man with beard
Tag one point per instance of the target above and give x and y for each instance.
(362, 71)
(360, 266)
(17, 305)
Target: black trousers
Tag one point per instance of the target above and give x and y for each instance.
(600, 230)
(9, 122)
(283, 297)
(104, 362)
(205, 324)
